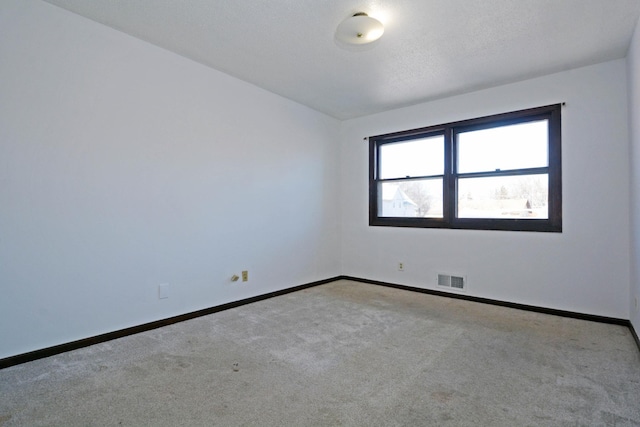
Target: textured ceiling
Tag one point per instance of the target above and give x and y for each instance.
(430, 49)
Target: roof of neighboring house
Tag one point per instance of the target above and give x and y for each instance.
(393, 192)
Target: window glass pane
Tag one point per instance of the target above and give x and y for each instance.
(510, 147)
(412, 198)
(418, 157)
(522, 197)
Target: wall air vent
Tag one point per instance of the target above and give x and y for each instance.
(457, 282)
(444, 280)
(452, 282)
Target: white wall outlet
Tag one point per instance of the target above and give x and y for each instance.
(163, 291)
(635, 300)
(245, 275)
(401, 266)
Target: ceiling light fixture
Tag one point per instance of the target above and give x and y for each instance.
(359, 29)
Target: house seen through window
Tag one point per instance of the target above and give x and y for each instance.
(500, 172)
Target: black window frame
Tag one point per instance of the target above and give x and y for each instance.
(551, 113)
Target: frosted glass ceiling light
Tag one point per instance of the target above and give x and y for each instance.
(359, 29)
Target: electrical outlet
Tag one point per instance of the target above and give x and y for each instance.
(163, 291)
(245, 275)
(636, 302)
(401, 266)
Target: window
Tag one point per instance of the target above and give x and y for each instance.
(500, 172)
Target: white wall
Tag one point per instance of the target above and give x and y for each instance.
(584, 269)
(124, 166)
(633, 72)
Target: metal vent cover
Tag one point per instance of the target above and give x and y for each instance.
(444, 280)
(450, 281)
(457, 282)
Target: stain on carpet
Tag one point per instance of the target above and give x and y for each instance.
(442, 396)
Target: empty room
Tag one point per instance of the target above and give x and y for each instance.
(295, 213)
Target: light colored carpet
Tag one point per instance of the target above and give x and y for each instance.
(343, 353)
